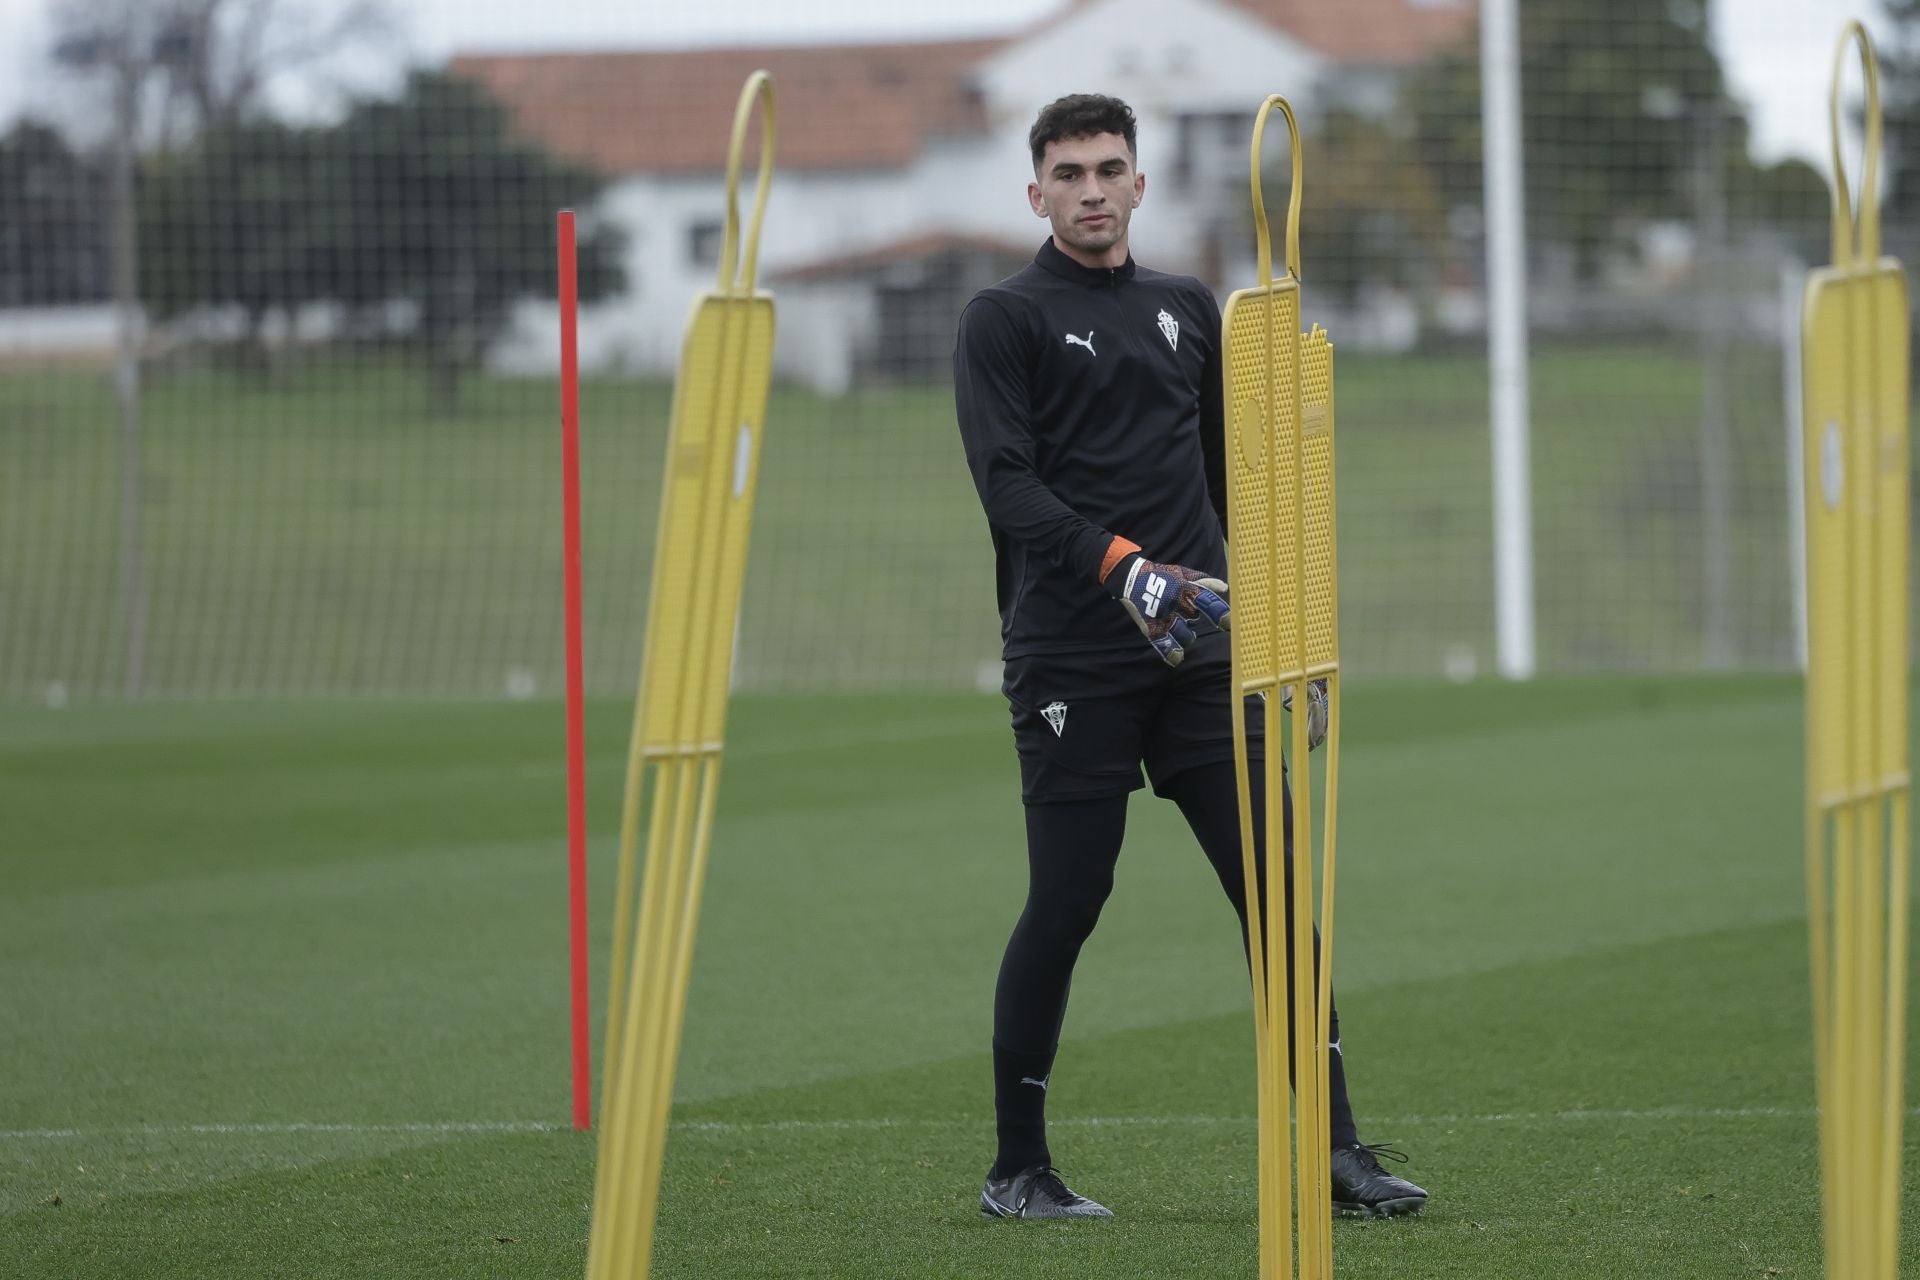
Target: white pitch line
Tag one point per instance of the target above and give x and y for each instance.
(1571, 1116)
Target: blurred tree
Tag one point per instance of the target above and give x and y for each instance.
(1371, 214)
(1898, 43)
(205, 63)
(245, 217)
(446, 211)
(53, 242)
(1790, 197)
(422, 200)
(232, 49)
(1613, 99)
(166, 71)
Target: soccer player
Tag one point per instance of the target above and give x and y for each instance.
(1089, 398)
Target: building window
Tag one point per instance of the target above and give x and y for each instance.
(703, 243)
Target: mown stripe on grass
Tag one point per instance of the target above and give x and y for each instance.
(854, 1123)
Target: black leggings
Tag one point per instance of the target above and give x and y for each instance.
(1072, 848)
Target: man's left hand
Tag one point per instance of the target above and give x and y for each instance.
(1317, 710)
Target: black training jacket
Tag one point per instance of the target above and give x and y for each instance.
(1089, 403)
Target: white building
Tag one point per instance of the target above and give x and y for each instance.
(900, 186)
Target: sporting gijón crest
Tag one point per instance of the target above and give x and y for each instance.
(1056, 714)
(1171, 328)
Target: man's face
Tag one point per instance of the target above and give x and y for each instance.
(1088, 189)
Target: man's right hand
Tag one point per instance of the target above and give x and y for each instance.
(1165, 599)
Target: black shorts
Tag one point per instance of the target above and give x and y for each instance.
(1085, 723)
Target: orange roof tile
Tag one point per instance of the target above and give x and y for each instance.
(1376, 32)
(840, 106)
(860, 106)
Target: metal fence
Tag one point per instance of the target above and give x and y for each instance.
(277, 404)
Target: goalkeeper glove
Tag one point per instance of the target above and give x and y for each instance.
(1316, 710)
(1165, 599)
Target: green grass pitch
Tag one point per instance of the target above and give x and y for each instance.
(286, 995)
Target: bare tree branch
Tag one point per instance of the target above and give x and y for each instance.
(198, 63)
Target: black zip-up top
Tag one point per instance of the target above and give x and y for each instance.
(1090, 405)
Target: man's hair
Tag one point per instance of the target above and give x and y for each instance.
(1080, 115)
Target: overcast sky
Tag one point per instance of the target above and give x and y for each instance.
(1777, 52)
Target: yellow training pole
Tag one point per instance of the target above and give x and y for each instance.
(706, 510)
(1278, 385)
(1855, 412)
(1319, 652)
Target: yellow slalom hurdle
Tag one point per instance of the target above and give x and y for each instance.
(1854, 349)
(700, 556)
(1279, 398)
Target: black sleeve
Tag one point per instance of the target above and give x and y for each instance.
(990, 393)
(1213, 431)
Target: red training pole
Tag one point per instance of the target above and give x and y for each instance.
(576, 738)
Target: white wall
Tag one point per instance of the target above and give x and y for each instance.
(85, 330)
(810, 215)
(1164, 56)
(820, 331)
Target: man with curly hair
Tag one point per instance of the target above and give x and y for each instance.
(1089, 398)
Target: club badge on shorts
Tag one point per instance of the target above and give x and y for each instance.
(1056, 714)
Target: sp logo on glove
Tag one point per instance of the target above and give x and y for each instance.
(1152, 594)
(1165, 600)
